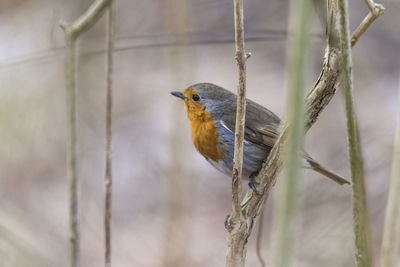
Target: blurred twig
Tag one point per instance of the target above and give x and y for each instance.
(320, 9)
(375, 11)
(285, 219)
(109, 101)
(391, 233)
(360, 211)
(236, 254)
(126, 43)
(72, 32)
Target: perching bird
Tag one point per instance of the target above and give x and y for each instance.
(211, 111)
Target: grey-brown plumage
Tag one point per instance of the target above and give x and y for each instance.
(261, 129)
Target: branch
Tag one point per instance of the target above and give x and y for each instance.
(86, 20)
(235, 256)
(72, 32)
(109, 100)
(360, 211)
(285, 219)
(318, 98)
(391, 233)
(72, 172)
(375, 11)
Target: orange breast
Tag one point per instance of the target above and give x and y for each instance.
(204, 133)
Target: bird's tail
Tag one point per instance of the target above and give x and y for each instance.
(320, 169)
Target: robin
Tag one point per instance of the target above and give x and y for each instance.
(211, 111)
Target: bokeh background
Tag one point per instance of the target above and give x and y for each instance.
(169, 204)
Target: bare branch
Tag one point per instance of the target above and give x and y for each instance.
(109, 101)
(318, 98)
(360, 211)
(375, 11)
(72, 32)
(241, 108)
(72, 152)
(87, 19)
(235, 254)
(391, 233)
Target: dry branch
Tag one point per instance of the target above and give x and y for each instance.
(72, 32)
(234, 255)
(318, 98)
(108, 171)
(72, 151)
(375, 11)
(86, 20)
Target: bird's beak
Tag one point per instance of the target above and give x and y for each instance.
(178, 94)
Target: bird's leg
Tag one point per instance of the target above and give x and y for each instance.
(253, 183)
(227, 226)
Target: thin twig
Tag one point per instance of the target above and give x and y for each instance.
(241, 107)
(259, 238)
(373, 7)
(391, 233)
(360, 211)
(234, 256)
(109, 101)
(128, 42)
(72, 32)
(72, 149)
(375, 11)
(87, 19)
(285, 223)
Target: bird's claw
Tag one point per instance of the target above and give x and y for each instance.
(228, 227)
(253, 184)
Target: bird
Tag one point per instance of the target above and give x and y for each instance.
(211, 111)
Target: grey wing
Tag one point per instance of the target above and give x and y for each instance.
(261, 126)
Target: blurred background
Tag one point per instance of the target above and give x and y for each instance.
(169, 204)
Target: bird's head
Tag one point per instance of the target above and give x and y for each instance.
(204, 99)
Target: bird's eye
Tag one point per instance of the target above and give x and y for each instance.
(196, 97)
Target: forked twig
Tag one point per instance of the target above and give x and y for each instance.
(72, 32)
(375, 10)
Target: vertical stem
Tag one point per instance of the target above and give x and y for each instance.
(108, 171)
(72, 149)
(287, 204)
(236, 242)
(72, 32)
(360, 211)
(240, 111)
(391, 233)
